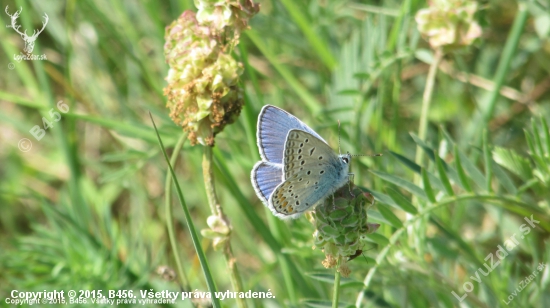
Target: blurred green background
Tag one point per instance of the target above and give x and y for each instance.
(84, 207)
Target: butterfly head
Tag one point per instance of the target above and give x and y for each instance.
(345, 158)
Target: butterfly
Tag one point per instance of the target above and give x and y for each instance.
(298, 168)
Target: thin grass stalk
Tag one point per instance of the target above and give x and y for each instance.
(506, 59)
(213, 201)
(183, 280)
(336, 292)
(191, 226)
(422, 131)
(426, 101)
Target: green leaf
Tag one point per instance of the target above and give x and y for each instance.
(390, 216)
(391, 201)
(441, 170)
(546, 134)
(531, 145)
(377, 217)
(427, 186)
(377, 238)
(401, 183)
(300, 17)
(350, 92)
(425, 147)
(504, 179)
(402, 202)
(472, 170)
(488, 161)
(512, 161)
(461, 173)
(302, 92)
(433, 179)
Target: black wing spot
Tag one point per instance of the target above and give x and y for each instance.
(316, 183)
(301, 144)
(307, 140)
(297, 202)
(311, 151)
(309, 172)
(302, 162)
(320, 157)
(300, 157)
(322, 171)
(299, 151)
(300, 179)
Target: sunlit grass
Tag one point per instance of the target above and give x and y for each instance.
(85, 207)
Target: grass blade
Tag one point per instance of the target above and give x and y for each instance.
(402, 183)
(488, 162)
(460, 170)
(427, 186)
(443, 176)
(403, 203)
(313, 38)
(190, 225)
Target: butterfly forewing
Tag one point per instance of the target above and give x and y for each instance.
(273, 127)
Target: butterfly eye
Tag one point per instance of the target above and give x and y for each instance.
(345, 160)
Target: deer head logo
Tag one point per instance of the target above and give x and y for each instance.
(29, 40)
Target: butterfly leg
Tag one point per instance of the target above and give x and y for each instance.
(351, 175)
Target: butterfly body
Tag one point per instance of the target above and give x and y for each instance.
(298, 168)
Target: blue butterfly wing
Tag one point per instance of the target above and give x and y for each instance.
(273, 127)
(265, 177)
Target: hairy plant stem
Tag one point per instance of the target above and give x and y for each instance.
(336, 292)
(215, 208)
(183, 280)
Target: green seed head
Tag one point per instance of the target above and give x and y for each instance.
(341, 226)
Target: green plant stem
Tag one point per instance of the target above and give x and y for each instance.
(504, 62)
(208, 174)
(426, 101)
(184, 281)
(506, 59)
(336, 292)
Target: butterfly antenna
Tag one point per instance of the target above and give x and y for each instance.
(372, 155)
(339, 152)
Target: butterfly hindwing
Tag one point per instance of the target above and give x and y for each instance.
(273, 127)
(265, 178)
